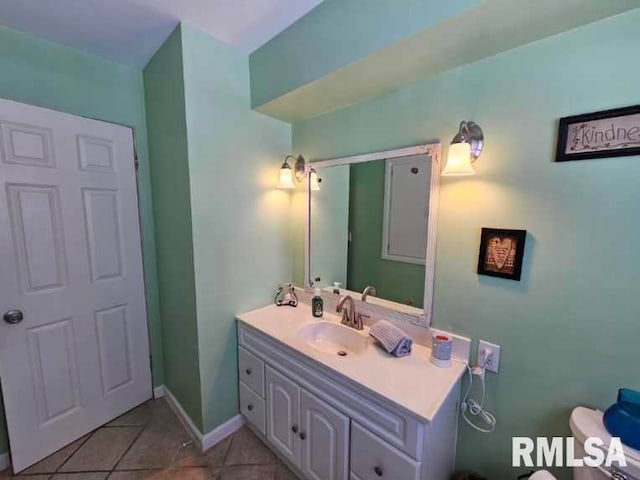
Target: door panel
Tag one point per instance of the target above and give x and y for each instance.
(54, 367)
(114, 346)
(28, 145)
(96, 154)
(36, 222)
(71, 261)
(283, 413)
(324, 450)
(103, 233)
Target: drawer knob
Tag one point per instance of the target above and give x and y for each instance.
(294, 429)
(303, 435)
(378, 471)
(249, 407)
(248, 370)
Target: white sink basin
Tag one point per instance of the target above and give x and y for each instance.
(334, 338)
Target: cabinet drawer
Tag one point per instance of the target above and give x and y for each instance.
(252, 407)
(251, 371)
(374, 459)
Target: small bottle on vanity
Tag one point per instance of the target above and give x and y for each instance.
(317, 304)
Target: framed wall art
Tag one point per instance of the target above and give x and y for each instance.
(501, 253)
(609, 133)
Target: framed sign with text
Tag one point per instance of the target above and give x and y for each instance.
(609, 133)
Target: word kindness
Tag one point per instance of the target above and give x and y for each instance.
(623, 132)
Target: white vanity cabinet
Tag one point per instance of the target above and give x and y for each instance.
(283, 415)
(329, 427)
(325, 433)
(308, 432)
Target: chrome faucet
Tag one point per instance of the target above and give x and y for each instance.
(368, 291)
(349, 317)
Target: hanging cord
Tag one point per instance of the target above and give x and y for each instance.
(475, 409)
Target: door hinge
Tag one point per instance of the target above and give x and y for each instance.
(136, 163)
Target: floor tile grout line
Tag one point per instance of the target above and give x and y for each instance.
(219, 469)
(142, 430)
(223, 467)
(89, 435)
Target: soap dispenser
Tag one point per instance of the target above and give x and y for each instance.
(317, 304)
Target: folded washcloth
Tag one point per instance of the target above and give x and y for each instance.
(394, 340)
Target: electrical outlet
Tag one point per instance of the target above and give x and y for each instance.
(488, 356)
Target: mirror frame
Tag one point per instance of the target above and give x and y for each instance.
(434, 151)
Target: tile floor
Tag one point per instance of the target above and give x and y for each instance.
(150, 443)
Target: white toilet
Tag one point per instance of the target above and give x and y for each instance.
(587, 423)
(542, 475)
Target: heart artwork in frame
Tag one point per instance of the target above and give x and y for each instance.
(501, 253)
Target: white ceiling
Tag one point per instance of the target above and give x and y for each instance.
(130, 31)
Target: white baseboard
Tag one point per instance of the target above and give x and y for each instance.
(222, 431)
(183, 416)
(211, 438)
(5, 461)
(158, 392)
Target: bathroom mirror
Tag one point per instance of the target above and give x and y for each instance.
(372, 223)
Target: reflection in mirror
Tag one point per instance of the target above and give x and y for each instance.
(372, 225)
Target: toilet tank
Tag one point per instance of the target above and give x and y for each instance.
(587, 473)
(586, 423)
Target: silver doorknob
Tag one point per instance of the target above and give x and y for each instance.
(13, 317)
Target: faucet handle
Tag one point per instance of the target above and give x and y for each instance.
(360, 317)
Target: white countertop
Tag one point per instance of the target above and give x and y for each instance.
(412, 382)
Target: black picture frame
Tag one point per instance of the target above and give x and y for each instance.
(604, 152)
(489, 261)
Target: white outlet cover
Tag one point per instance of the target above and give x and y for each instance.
(494, 349)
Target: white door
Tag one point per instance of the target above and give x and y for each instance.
(406, 208)
(283, 408)
(324, 446)
(70, 262)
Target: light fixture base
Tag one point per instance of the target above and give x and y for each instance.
(300, 168)
(471, 133)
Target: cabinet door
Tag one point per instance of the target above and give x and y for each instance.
(324, 440)
(283, 413)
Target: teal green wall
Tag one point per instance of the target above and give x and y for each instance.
(239, 220)
(569, 329)
(167, 125)
(398, 281)
(42, 73)
(337, 33)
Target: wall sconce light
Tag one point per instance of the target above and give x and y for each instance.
(464, 150)
(315, 181)
(300, 171)
(286, 175)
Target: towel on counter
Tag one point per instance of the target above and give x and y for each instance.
(394, 340)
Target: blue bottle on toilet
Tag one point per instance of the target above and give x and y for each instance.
(622, 419)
